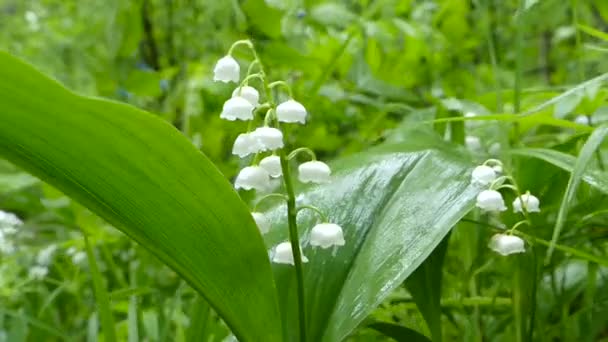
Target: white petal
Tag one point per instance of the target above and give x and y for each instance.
(284, 255)
(531, 203)
(483, 175)
(268, 138)
(314, 172)
(291, 111)
(506, 244)
(326, 235)
(582, 120)
(252, 177)
(248, 93)
(262, 222)
(272, 164)
(226, 70)
(237, 108)
(245, 145)
(490, 200)
(473, 143)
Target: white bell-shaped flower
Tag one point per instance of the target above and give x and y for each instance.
(326, 235)
(226, 70)
(252, 177)
(506, 244)
(237, 108)
(314, 172)
(291, 111)
(248, 93)
(272, 164)
(284, 255)
(530, 202)
(472, 142)
(262, 222)
(582, 120)
(490, 200)
(268, 138)
(9, 219)
(483, 175)
(245, 144)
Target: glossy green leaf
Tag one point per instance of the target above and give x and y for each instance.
(395, 203)
(144, 177)
(592, 175)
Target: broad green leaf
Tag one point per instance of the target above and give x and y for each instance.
(583, 160)
(144, 177)
(395, 203)
(398, 333)
(592, 175)
(425, 286)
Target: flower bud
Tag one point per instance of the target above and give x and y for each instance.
(291, 111)
(490, 200)
(314, 172)
(506, 244)
(272, 164)
(237, 108)
(326, 235)
(227, 70)
(483, 175)
(248, 93)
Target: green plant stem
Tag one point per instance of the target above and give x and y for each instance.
(101, 295)
(292, 213)
(519, 58)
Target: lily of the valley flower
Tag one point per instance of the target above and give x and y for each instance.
(244, 145)
(582, 120)
(272, 164)
(472, 142)
(506, 244)
(226, 70)
(284, 255)
(262, 222)
(268, 138)
(237, 108)
(248, 93)
(326, 235)
(530, 202)
(483, 175)
(490, 200)
(291, 111)
(252, 177)
(314, 172)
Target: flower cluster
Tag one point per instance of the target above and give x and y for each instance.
(489, 176)
(266, 144)
(8, 228)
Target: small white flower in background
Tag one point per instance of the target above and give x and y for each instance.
(226, 70)
(483, 175)
(268, 138)
(38, 272)
(248, 93)
(262, 221)
(494, 149)
(291, 111)
(272, 164)
(490, 200)
(6, 246)
(473, 143)
(79, 257)
(582, 120)
(45, 255)
(237, 108)
(9, 219)
(314, 172)
(252, 177)
(326, 235)
(530, 202)
(506, 244)
(245, 144)
(284, 255)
